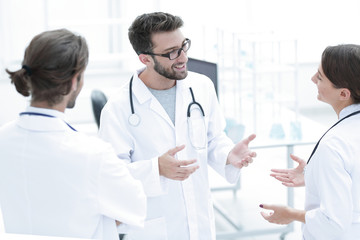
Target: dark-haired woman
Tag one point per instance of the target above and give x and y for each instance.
(332, 173)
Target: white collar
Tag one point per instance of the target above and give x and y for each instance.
(348, 110)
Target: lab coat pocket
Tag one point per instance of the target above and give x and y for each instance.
(197, 129)
(154, 229)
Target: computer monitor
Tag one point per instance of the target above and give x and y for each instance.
(207, 68)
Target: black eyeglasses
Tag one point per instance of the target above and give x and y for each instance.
(174, 53)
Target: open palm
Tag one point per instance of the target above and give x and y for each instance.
(291, 177)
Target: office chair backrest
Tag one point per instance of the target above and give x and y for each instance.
(204, 67)
(98, 101)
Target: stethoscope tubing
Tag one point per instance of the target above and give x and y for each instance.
(194, 102)
(317, 144)
(134, 119)
(130, 95)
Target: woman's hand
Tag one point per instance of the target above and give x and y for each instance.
(282, 214)
(291, 177)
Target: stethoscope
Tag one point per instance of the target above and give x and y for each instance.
(317, 144)
(134, 119)
(45, 115)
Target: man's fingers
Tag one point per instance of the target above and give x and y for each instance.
(187, 169)
(249, 139)
(173, 151)
(244, 163)
(247, 161)
(180, 178)
(185, 163)
(184, 172)
(240, 164)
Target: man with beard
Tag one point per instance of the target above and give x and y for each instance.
(166, 107)
(55, 181)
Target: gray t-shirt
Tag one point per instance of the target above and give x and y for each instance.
(167, 99)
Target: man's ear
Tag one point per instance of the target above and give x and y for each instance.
(145, 59)
(345, 94)
(75, 82)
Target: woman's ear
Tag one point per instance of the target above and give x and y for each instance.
(345, 94)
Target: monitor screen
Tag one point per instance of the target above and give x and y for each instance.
(207, 68)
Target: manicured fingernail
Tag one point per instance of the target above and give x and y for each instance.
(261, 206)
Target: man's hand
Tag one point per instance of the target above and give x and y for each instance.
(241, 156)
(173, 168)
(291, 177)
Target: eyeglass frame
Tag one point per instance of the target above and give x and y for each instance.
(167, 55)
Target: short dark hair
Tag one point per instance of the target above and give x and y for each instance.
(341, 65)
(141, 30)
(50, 62)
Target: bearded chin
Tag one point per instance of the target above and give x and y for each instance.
(183, 76)
(170, 74)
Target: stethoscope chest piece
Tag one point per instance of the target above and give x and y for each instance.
(134, 120)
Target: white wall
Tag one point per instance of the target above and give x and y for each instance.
(316, 24)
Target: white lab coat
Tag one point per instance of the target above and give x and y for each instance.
(332, 180)
(58, 182)
(179, 210)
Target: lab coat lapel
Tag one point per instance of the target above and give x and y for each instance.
(182, 102)
(183, 99)
(142, 94)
